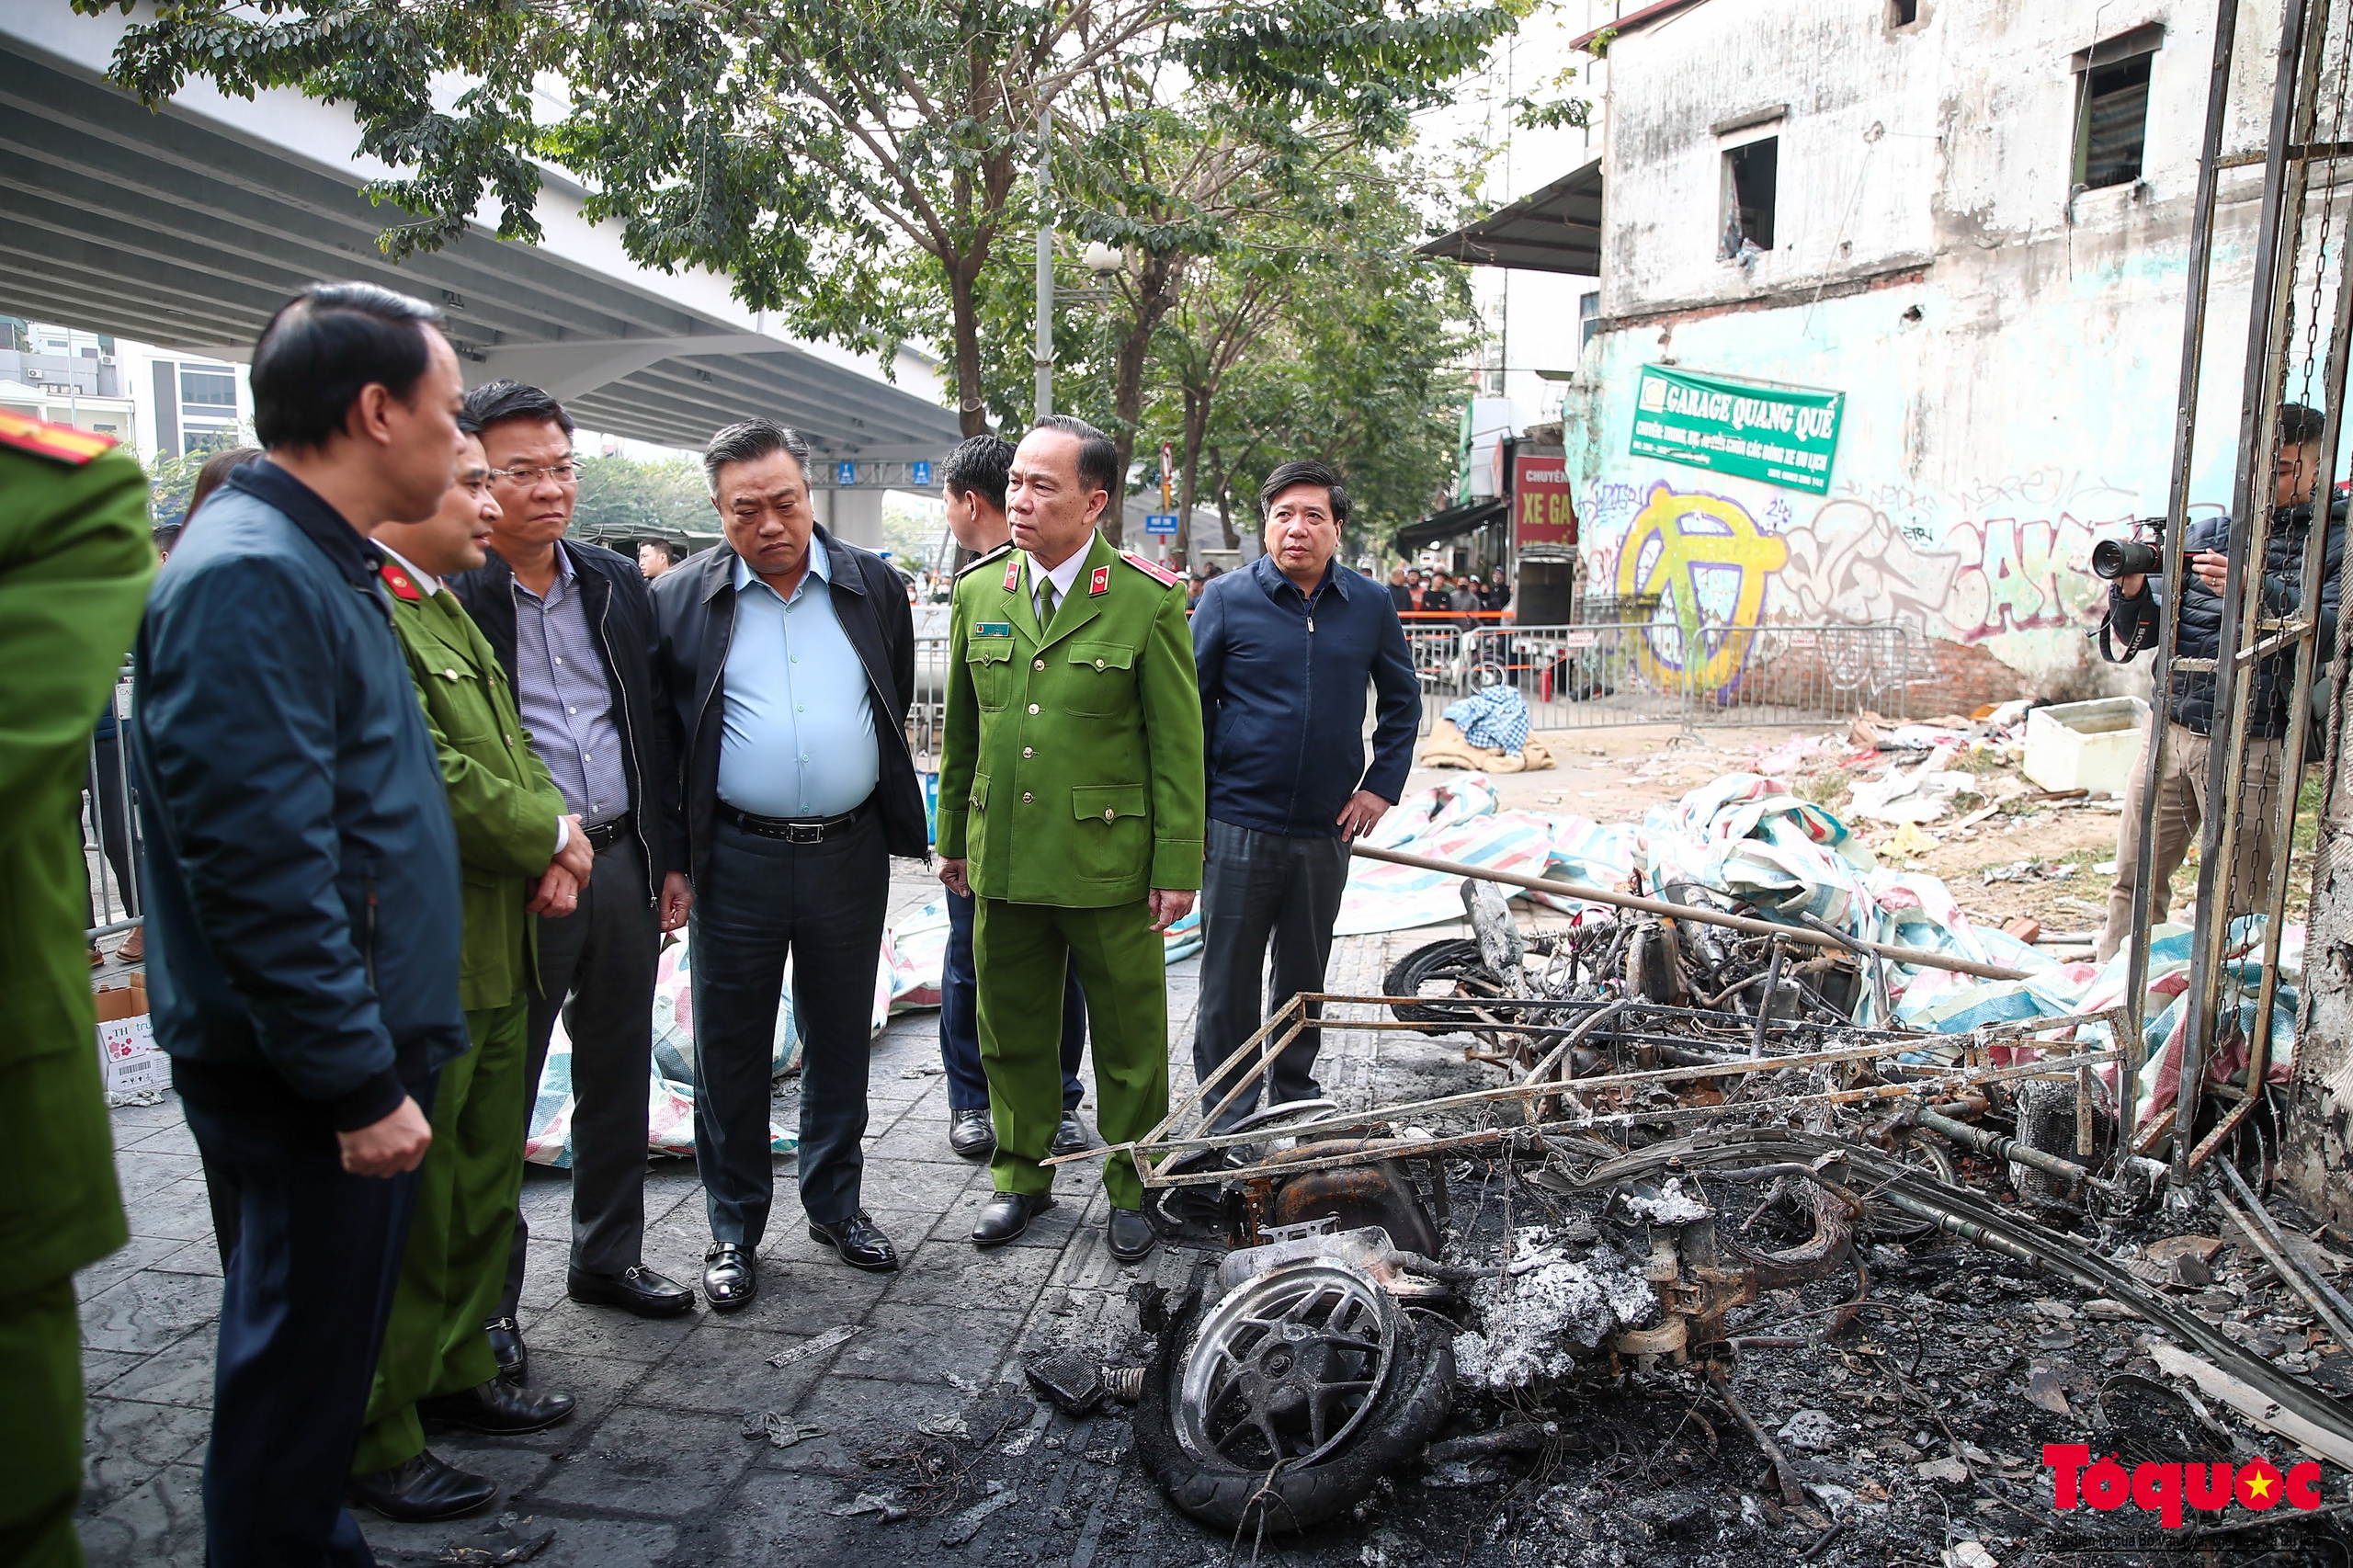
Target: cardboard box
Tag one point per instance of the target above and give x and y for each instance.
(128, 1056)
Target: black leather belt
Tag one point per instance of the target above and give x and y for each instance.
(794, 830)
(603, 836)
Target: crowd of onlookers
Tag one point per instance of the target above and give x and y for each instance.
(1414, 591)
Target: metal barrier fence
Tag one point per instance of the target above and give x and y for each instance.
(1573, 679)
(1571, 676)
(1587, 676)
(1659, 672)
(925, 715)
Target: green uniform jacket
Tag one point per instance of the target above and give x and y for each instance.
(74, 564)
(505, 805)
(1070, 770)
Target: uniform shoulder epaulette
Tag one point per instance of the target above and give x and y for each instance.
(403, 585)
(1152, 569)
(984, 560)
(61, 443)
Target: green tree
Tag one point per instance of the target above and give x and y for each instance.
(1322, 335)
(172, 475)
(803, 148)
(629, 498)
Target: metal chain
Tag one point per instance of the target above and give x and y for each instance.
(2328, 221)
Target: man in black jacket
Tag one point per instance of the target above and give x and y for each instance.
(787, 663)
(302, 894)
(1401, 592)
(574, 626)
(2132, 622)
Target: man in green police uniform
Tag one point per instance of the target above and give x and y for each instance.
(519, 854)
(1071, 805)
(74, 562)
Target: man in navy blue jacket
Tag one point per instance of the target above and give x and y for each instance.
(302, 896)
(1285, 648)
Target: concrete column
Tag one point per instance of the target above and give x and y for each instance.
(856, 515)
(2317, 1158)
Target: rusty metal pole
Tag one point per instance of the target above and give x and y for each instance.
(2250, 530)
(2193, 346)
(2305, 623)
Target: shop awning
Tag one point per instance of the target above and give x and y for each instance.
(1452, 523)
(1558, 229)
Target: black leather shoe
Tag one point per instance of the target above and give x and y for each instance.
(424, 1491)
(1007, 1215)
(731, 1276)
(506, 1343)
(860, 1241)
(636, 1289)
(1130, 1235)
(971, 1134)
(1070, 1137)
(497, 1407)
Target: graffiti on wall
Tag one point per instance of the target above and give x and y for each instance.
(1706, 562)
(1716, 567)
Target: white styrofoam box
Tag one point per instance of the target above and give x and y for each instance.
(2085, 745)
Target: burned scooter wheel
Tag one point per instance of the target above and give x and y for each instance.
(1287, 1473)
(1438, 970)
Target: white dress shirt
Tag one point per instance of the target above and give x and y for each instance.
(1062, 576)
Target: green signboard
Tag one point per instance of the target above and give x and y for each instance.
(1780, 434)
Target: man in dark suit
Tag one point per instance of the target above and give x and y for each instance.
(572, 625)
(787, 661)
(304, 896)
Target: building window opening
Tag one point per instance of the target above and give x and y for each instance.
(1589, 317)
(1751, 176)
(1903, 13)
(216, 390)
(2112, 109)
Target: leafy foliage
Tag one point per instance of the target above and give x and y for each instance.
(171, 476)
(628, 498)
(1326, 339)
(855, 166)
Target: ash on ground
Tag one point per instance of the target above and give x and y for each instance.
(1561, 1296)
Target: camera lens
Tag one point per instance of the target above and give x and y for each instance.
(2114, 558)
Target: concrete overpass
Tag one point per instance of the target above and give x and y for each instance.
(186, 228)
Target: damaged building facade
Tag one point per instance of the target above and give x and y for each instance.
(1964, 229)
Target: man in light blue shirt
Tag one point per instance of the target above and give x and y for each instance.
(798, 736)
(787, 661)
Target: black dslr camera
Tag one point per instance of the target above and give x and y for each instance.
(2145, 557)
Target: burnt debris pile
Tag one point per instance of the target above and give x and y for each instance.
(1635, 1245)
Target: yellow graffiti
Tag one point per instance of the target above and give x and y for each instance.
(1665, 557)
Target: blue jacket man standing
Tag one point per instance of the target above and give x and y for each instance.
(1285, 649)
(302, 896)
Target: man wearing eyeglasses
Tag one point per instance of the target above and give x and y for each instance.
(574, 626)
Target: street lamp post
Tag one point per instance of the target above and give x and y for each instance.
(1045, 348)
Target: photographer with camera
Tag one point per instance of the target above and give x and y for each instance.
(2137, 574)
